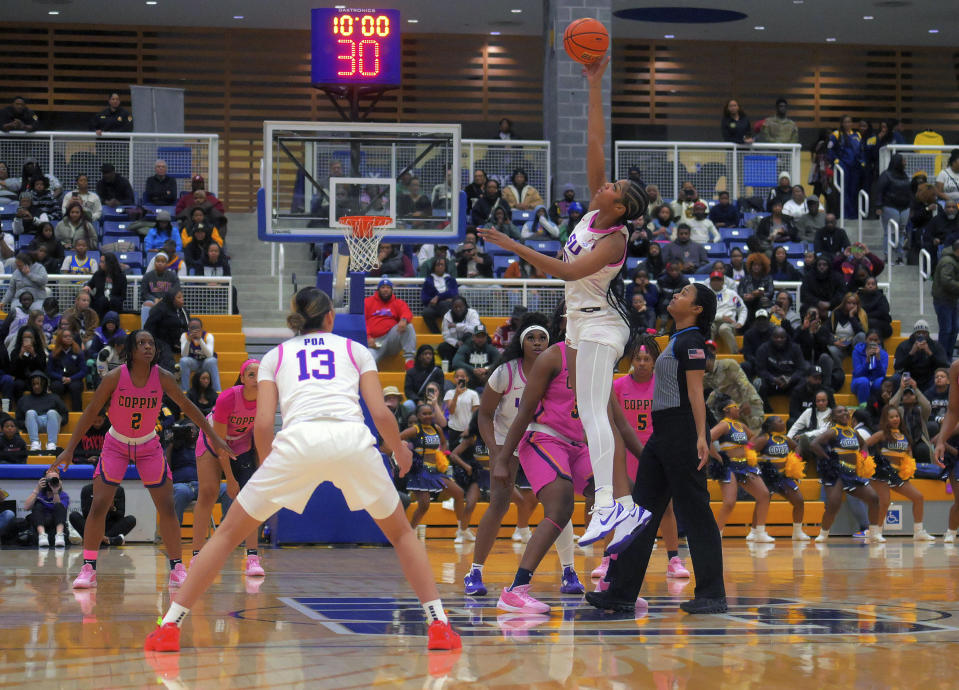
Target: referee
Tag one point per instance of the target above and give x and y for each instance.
(672, 465)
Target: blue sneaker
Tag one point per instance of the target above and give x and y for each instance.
(473, 584)
(571, 583)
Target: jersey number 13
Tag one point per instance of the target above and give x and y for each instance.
(323, 359)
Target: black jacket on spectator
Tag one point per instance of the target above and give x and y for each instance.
(654, 265)
(161, 192)
(803, 397)
(12, 450)
(68, 363)
(668, 287)
(830, 240)
(821, 287)
(98, 297)
(921, 366)
(727, 215)
(483, 209)
(167, 323)
(484, 266)
(814, 345)
(764, 230)
(876, 307)
(91, 444)
(895, 188)
(772, 362)
(417, 378)
(41, 404)
(22, 366)
(109, 120)
(119, 189)
(938, 401)
(942, 229)
(156, 285)
(755, 336)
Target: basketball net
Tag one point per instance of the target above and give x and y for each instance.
(363, 235)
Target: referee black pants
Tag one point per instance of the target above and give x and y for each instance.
(667, 470)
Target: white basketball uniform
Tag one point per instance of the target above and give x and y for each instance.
(589, 315)
(324, 437)
(509, 381)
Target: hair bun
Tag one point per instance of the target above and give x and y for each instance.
(295, 322)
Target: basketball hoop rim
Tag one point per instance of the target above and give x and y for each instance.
(364, 226)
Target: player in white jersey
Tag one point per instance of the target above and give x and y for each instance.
(498, 407)
(599, 327)
(318, 378)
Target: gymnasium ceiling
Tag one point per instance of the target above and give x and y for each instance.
(894, 22)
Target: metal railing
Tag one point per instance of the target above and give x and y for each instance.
(892, 244)
(499, 157)
(928, 159)
(925, 273)
(202, 294)
(743, 171)
(68, 154)
(840, 183)
(863, 209)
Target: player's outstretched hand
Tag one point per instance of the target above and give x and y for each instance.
(403, 457)
(219, 446)
(594, 70)
(500, 471)
(940, 452)
(500, 239)
(63, 460)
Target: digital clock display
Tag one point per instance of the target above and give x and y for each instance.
(352, 46)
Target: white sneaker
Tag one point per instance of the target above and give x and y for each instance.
(459, 537)
(59, 542)
(877, 538)
(73, 535)
(43, 541)
(34, 445)
(604, 520)
(822, 538)
(950, 537)
(526, 534)
(51, 446)
(764, 537)
(752, 535)
(923, 535)
(799, 535)
(468, 535)
(628, 529)
(517, 534)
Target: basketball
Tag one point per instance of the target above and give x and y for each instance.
(586, 40)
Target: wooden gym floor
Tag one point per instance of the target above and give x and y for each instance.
(801, 616)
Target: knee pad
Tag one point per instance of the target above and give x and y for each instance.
(384, 506)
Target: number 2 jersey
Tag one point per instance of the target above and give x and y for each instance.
(133, 410)
(317, 376)
(636, 399)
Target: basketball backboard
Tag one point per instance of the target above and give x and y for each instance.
(316, 172)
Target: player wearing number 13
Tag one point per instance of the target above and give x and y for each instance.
(317, 377)
(134, 392)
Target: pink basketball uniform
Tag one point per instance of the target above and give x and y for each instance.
(553, 445)
(636, 400)
(132, 437)
(237, 413)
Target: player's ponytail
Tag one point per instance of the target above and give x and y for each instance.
(308, 309)
(636, 202)
(706, 299)
(616, 297)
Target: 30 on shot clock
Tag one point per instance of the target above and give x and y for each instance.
(354, 46)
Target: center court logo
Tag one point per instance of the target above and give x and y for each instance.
(747, 616)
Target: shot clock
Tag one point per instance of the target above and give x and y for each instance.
(354, 46)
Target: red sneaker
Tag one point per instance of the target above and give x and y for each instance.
(442, 636)
(166, 638)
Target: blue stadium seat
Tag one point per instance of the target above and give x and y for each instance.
(716, 251)
(501, 262)
(520, 216)
(749, 215)
(798, 263)
(495, 251)
(6, 225)
(135, 240)
(132, 259)
(734, 234)
(119, 213)
(153, 209)
(23, 241)
(544, 246)
(631, 263)
(793, 249)
(116, 227)
(8, 209)
(741, 245)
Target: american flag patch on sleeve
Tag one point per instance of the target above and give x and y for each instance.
(696, 354)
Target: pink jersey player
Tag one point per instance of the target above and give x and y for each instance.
(636, 399)
(132, 436)
(234, 411)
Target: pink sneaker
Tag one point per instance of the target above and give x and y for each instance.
(518, 600)
(177, 575)
(676, 568)
(601, 569)
(87, 577)
(253, 567)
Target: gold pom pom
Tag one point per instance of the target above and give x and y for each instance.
(442, 462)
(752, 457)
(865, 466)
(907, 468)
(795, 468)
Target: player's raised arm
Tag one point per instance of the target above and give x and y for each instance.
(596, 126)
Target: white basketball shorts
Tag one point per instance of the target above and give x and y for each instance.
(605, 327)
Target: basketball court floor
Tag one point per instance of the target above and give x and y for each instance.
(803, 616)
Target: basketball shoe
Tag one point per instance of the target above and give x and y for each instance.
(440, 635)
(166, 638)
(473, 584)
(518, 600)
(571, 583)
(87, 577)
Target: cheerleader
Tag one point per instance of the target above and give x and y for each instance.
(780, 468)
(741, 468)
(600, 327)
(430, 475)
(634, 395)
(470, 461)
(839, 466)
(317, 378)
(895, 466)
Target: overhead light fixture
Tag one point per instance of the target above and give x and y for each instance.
(933, 31)
(759, 28)
(670, 36)
(516, 11)
(412, 21)
(868, 17)
(151, 2)
(53, 12)
(339, 7)
(494, 33)
(830, 40)
(238, 16)
(797, 2)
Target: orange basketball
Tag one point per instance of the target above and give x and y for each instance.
(586, 40)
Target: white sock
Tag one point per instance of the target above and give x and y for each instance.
(823, 533)
(626, 502)
(874, 530)
(918, 528)
(564, 545)
(950, 532)
(797, 527)
(477, 566)
(603, 497)
(434, 611)
(175, 614)
(760, 529)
